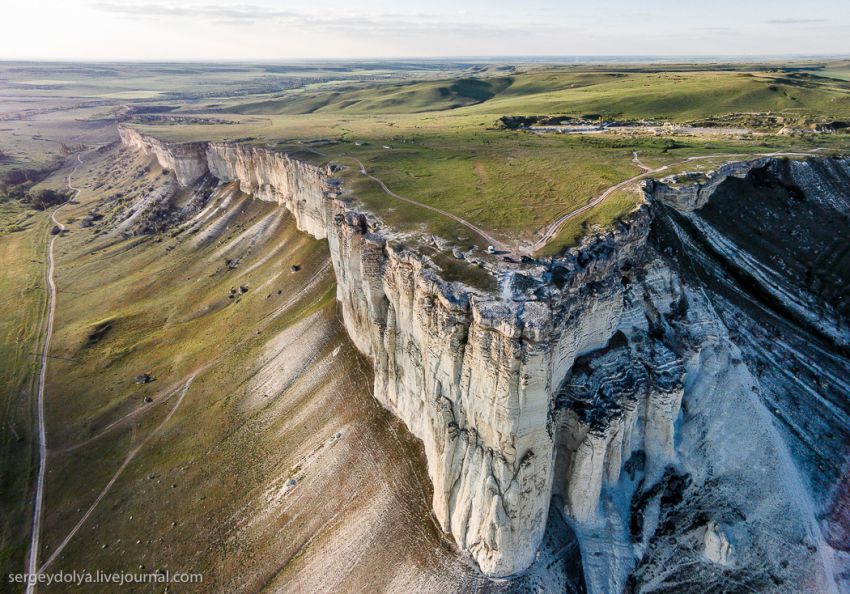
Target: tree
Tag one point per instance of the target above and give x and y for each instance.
(44, 199)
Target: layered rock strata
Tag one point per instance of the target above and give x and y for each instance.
(574, 372)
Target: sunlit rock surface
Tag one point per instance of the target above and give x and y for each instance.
(676, 385)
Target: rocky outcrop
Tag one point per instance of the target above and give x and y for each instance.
(690, 191)
(716, 546)
(272, 176)
(569, 382)
(622, 400)
(787, 243)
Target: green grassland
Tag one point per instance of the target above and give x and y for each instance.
(665, 95)
(413, 97)
(432, 132)
(22, 304)
(439, 141)
(272, 386)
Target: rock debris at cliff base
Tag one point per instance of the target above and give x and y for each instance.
(676, 386)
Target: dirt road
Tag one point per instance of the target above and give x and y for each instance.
(38, 505)
(552, 230)
(129, 458)
(477, 230)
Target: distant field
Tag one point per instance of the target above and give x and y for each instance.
(432, 132)
(838, 69)
(675, 96)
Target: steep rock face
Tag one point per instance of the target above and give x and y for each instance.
(691, 191)
(572, 382)
(186, 160)
(761, 449)
(472, 375)
(272, 176)
(622, 400)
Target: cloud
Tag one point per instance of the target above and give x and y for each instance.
(794, 21)
(378, 24)
(229, 13)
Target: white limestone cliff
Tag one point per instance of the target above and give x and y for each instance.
(516, 397)
(716, 546)
(472, 375)
(690, 192)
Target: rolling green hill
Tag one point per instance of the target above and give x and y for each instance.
(395, 98)
(667, 95)
(676, 96)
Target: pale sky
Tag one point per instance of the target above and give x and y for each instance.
(316, 29)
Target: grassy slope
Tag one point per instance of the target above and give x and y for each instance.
(22, 305)
(675, 96)
(665, 95)
(514, 183)
(396, 98)
(276, 382)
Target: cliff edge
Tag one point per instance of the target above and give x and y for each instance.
(564, 388)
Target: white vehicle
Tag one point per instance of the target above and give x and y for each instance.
(491, 249)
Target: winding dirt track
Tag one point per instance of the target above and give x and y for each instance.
(124, 464)
(38, 505)
(501, 246)
(552, 230)
(478, 230)
(638, 162)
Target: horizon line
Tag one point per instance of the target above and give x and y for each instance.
(558, 58)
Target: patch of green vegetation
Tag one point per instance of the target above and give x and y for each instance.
(452, 269)
(392, 98)
(509, 183)
(404, 217)
(14, 216)
(677, 96)
(616, 207)
(23, 246)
